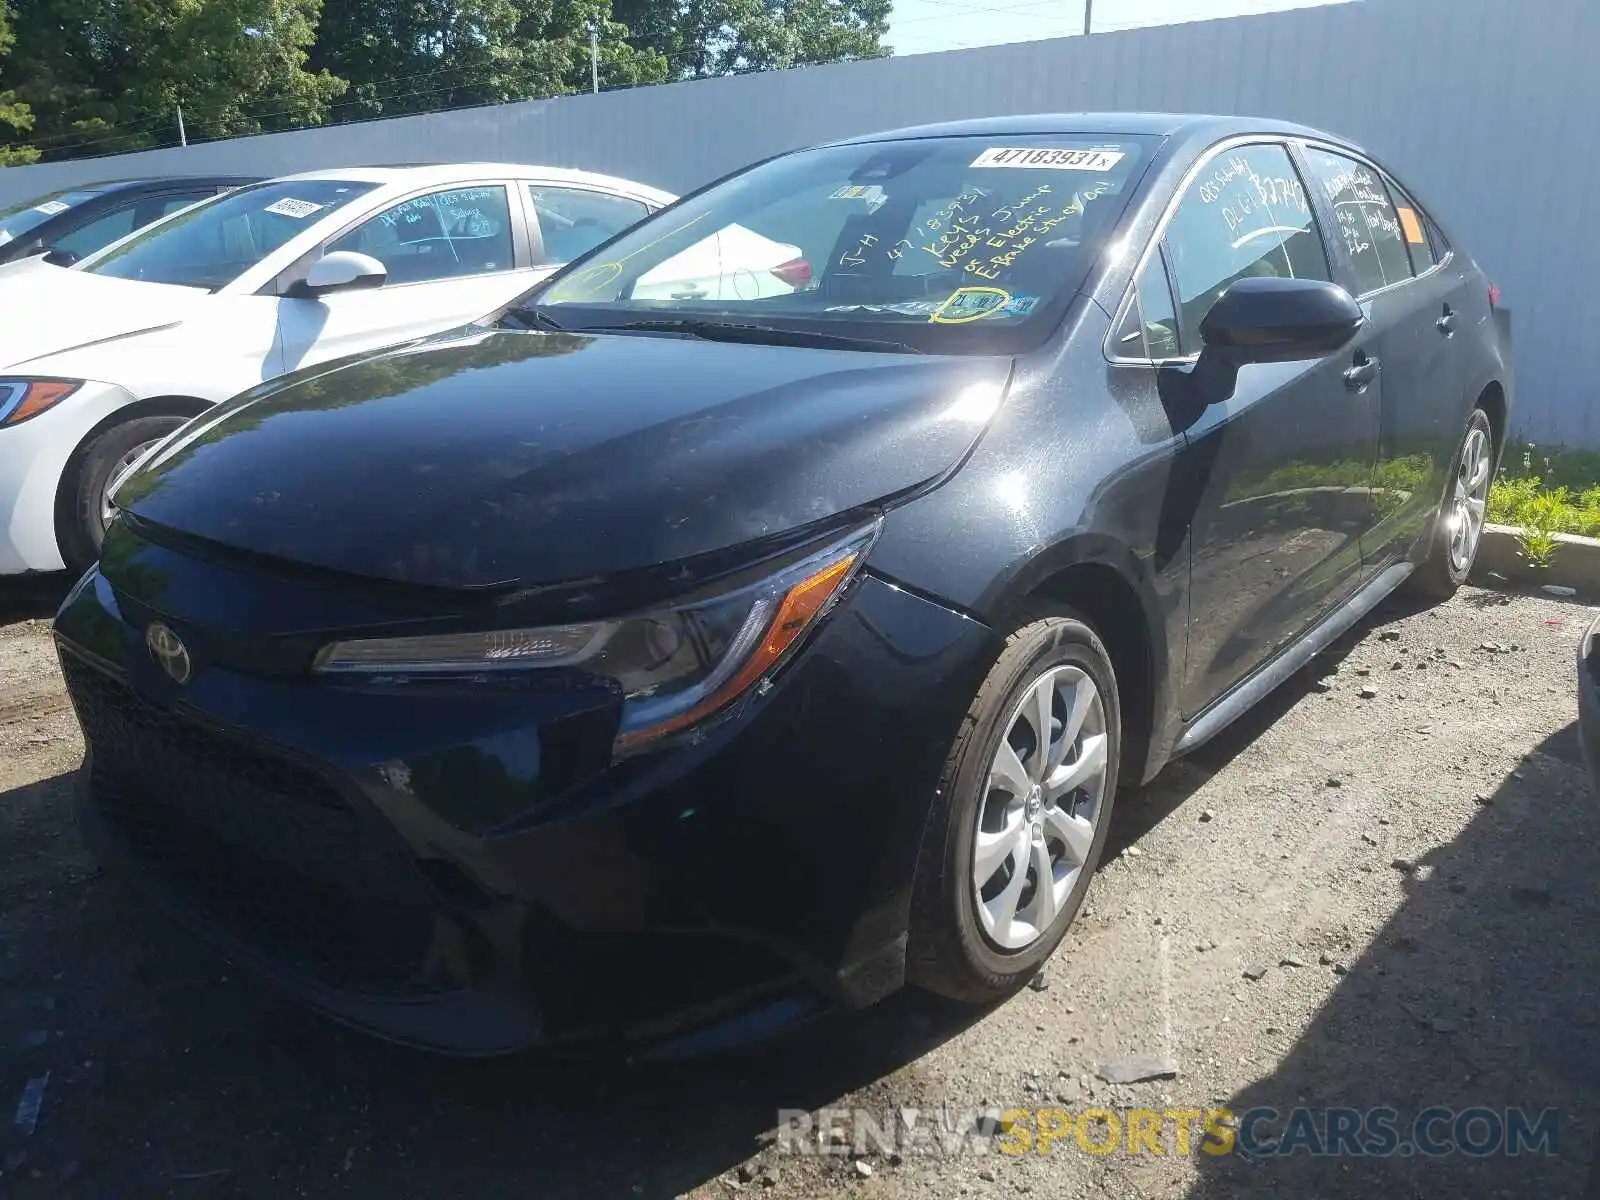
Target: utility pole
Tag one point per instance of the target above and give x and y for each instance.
(594, 56)
(183, 138)
(1088, 12)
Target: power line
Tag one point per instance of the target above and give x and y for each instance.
(122, 129)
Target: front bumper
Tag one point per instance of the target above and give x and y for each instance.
(461, 866)
(32, 458)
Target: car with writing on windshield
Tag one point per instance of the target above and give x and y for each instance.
(72, 223)
(655, 661)
(102, 358)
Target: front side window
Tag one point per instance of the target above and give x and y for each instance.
(573, 221)
(1246, 215)
(442, 235)
(949, 243)
(1368, 225)
(212, 244)
(20, 218)
(1149, 327)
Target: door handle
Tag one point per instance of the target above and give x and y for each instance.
(1447, 323)
(1362, 373)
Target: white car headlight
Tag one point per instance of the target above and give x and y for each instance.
(676, 665)
(24, 398)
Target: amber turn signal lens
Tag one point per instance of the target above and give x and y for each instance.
(40, 395)
(801, 606)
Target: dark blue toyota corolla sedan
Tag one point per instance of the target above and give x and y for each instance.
(763, 613)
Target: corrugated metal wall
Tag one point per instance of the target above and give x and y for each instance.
(1482, 105)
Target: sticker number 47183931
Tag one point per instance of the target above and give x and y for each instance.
(1049, 158)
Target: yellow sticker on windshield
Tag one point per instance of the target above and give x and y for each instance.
(969, 304)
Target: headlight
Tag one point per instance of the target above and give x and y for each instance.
(24, 398)
(676, 666)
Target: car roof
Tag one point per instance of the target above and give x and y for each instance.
(1127, 123)
(425, 174)
(162, 181)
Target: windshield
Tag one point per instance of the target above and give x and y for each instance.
(17, 220)
(943, 244)
(212, 244)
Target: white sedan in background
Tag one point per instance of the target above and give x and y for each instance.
(102, 360)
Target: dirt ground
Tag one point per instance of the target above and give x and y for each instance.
(1427, 856)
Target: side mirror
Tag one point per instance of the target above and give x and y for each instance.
(1264, 319)
(342, 271)
(57, 257)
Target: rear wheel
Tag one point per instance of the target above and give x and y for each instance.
(1021, 815)
(84, 509)
(1458, 526)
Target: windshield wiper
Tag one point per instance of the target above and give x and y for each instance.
(531, 316)
(739, 331)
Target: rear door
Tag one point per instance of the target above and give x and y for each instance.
(1275, 508)
(1415, 301)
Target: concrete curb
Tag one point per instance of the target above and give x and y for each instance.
(1576, 563)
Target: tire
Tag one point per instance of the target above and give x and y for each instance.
(80, 522)
(1443, 571)
(957, 947)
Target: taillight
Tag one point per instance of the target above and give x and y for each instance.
(1494, 295)
(796, 272)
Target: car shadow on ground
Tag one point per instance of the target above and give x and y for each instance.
(1479, 992)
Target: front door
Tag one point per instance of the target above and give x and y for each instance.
(450, 260)
(1280, 466)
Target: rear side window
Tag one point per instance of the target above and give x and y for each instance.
(1414, 228)
(1368, 224)
(573, 221)
(1246, 215)
(98, 233)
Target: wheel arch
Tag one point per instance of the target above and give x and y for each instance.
(1111, 587)
(151, 406)
(1492, 399)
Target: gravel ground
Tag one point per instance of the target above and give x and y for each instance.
(1381, 901)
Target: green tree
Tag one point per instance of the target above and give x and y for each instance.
(404, 56)
(13, 113)
(106, 76)
(721, 37)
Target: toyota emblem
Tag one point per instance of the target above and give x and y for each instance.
(169, 652)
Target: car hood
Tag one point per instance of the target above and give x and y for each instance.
(493, 457)
(51, 309)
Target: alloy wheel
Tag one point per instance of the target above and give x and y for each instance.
(118, 471)
(1469, 496)
(1045, 798)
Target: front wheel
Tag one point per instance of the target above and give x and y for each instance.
(1458, 526)
(1021, 815)
(84, 509)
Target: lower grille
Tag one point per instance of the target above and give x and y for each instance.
(258, 845)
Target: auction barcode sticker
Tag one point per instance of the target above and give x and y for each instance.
(1049, 158)
(290, 207)
(51, 207)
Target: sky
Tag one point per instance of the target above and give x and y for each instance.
(918, 26)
